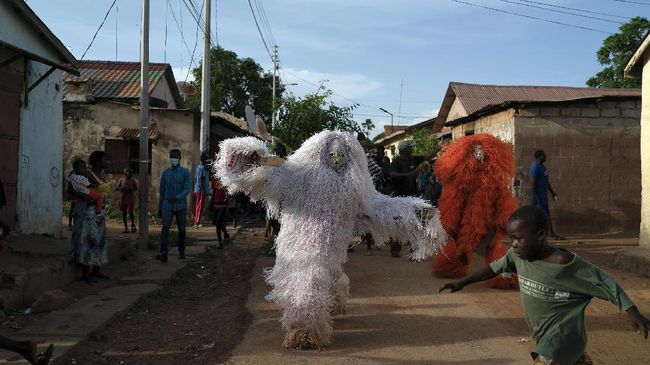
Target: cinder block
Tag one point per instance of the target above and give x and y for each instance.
(610, 112)
(627, 104)
(631, 113)
(589, 112)
(607, 104)
(549, 111)
(570, 111)
(528, 112)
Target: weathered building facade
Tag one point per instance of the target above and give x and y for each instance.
(591, 137)
(31, 120)
(101, 112)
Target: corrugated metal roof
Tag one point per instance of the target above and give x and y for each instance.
(134, 133)
(475, 97)
(118, 80)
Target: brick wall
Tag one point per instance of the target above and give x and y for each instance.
(593, 151)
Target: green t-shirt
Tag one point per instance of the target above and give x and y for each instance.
(554, 298)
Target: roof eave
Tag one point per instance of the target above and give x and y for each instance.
(633, 67)
(52, 39)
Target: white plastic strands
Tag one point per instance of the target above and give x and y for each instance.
(323, 194)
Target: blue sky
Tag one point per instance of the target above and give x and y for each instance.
(365, 48)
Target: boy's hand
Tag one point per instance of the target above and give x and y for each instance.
(453, 287)
(639, 322)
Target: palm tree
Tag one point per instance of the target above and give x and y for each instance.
(368, 125)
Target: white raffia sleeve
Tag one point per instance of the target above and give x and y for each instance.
(406, 219)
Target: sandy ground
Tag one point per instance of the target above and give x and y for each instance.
(395, 317)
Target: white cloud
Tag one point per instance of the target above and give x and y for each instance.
(346, 86)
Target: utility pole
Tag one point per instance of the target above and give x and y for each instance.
(143, 172)
(204, 144)
(275, 69)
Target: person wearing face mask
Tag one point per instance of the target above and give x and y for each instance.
(174, 188)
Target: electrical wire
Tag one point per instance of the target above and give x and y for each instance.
(260, 31)
(196, 42)
(178, 25)
(265, 21)
(632, 2)
(98, 29)
(575, 9)
(532, 17)
(561, 11)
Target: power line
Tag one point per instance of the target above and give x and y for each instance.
(562, 11)
(196, 42)
(533, 17)
(199, 14)
(265, 21)
(633, 2)
(98, 29)
(575, 9)
(179, 28)
(395, 116)
(260, 31)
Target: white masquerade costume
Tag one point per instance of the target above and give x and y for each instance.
(323, 195)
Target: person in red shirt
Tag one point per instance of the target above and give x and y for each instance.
(127, 186)
(219, 207)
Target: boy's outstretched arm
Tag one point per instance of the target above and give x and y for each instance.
(482, 274)
(639, 322)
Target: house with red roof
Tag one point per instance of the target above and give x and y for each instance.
(591, 137)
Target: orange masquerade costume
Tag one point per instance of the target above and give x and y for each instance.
(475, 172)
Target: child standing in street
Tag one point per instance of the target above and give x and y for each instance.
(127, 186)
(556, 286)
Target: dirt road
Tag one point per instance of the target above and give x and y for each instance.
(394, 317)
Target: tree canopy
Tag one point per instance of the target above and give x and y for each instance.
(300, 118)
(616, 51)
(234, 83)
(424, 141)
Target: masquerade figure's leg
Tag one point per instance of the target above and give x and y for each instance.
(306, 312)
(341, 290)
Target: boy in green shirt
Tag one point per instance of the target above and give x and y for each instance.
(556, 286)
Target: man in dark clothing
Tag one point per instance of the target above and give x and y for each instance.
(404, 170)
(541, 185)
(404, 176)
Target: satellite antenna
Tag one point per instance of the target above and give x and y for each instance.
(186, 88)
(251, 120)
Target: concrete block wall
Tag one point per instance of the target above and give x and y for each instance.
(87, 126)
(499, 124)
(593, 151)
